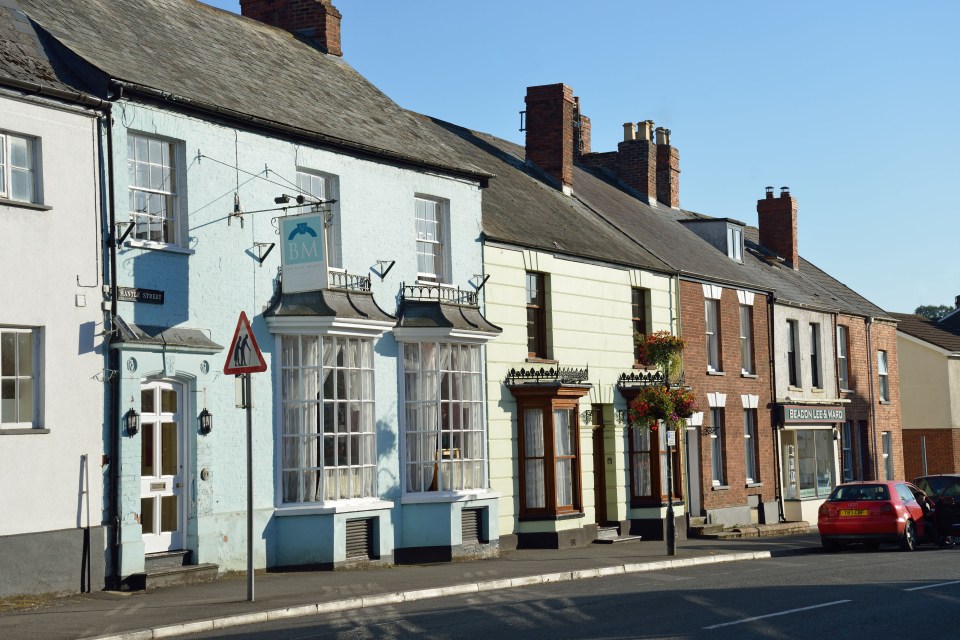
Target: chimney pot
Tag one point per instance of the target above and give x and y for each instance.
(769, 192)
(784, 192)
(956, 302)
(629, 132)
(645, 129)
(661, 135)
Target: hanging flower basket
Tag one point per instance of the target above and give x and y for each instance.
(655, 404)
(661, 350)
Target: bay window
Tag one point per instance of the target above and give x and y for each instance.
(328, 449)
(443, 410)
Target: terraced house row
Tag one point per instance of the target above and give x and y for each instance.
(448, 320)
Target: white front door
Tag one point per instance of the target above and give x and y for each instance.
(161, 466)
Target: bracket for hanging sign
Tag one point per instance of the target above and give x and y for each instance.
(383, 272)
(261, 254)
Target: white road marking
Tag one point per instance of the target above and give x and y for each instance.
(931, 586)
(780, 613)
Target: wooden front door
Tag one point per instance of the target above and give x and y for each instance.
(161, 466)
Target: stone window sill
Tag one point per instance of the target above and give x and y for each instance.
(23, 432)
(24, 205)
(719, 487)
(754, 485)
(752, 376)
(158, 246)
(536, 360)
(712, 372)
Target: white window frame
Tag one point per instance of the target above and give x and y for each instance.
(23, 386)
(7, 168)
(306, 361)
(440, 457)
(886, 439)
(716, 447)
(883, 376)
(816, 370)
(712, 311)
(793, 347)
(432, 245)
(750, 445)
(324, 186)
(153, 168)
(735, 243)
(843, 363)
(746, 339)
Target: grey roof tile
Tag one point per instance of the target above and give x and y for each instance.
(210, 56)
(935, 333)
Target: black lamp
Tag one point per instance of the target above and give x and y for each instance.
(206, 421)
(132, 420)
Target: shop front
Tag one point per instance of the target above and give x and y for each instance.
(808, 456)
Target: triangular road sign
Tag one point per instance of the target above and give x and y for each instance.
(244, 355)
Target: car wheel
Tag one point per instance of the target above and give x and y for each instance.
(829, 545)
(908, 542)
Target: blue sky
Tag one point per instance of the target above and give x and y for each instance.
(853, 105)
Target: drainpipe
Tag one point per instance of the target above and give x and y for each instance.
(771, 345)
(873, 411)
(113, 403)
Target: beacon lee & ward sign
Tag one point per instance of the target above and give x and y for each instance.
(803, 415)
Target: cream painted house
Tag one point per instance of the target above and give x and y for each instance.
(929, 353)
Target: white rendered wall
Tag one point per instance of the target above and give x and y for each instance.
(828, 371)
(46, 256)
(927, 377)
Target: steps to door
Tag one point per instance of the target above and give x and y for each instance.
(168, 569)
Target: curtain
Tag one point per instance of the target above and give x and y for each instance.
(534, 491)
(563, 438)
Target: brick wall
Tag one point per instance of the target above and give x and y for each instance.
(316, 18)
(636, 166)
(942, 449)
(734, 384)
(668, 175)
(777, 219)
(865, 402)
(550, 137)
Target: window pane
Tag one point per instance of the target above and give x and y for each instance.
(168, 401)
(147, 520)
(147, 467)
(8, 401)
(8, 353)
(26, 401)
(25, 354)
(168, 513)
(168, 449)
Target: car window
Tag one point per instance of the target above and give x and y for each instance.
(905, 494)
(953, 490)
(934, 485)
(861, 492)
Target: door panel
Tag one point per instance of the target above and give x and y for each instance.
(161, 466)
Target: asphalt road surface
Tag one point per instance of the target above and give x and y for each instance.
(852, 594)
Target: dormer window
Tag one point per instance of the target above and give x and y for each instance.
(735, 243)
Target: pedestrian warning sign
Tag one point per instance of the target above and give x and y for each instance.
(244, 355)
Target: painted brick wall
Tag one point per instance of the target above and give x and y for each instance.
(734, 384)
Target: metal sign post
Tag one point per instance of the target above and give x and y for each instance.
(243, 359)
(671, 525)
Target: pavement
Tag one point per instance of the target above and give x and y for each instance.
(181, 610)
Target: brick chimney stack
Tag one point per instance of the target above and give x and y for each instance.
(777, 219)
(550, 131)
(316, 19)
(668, 170)
(636, 163)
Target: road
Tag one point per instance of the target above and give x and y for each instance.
(852, 594)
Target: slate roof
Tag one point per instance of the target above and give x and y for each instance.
(519, 208)
(607, 222)
(197, 53)
(22, 53)
(929, 331)
(356, 305)
(177, 338)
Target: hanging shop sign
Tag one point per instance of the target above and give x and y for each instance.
(303, 259)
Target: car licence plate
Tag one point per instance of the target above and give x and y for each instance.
(853, 512)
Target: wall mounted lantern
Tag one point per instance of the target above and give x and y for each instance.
(206, 421)
(132, 420)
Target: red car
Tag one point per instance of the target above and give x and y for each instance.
(875, 512)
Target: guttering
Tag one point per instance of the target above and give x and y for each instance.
(873, 400)
(70, 96)
(357, 147)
